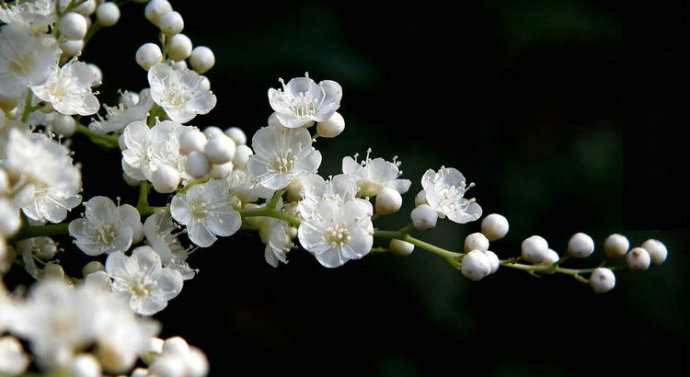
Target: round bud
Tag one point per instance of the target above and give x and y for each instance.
(108, 14)
(171, 23)
(657, 251)
(155, 8)
(180, 47)
(236, 134)
(495, 226)
(97, 75)
(476, 241)
(86, 8)
(197, 165)
(165, 179)
(580, 245)
(72, 26)
(167, 367)
(420, 198)
(71, 48)
(494, 262)
(475, 265)
(133, 182)
(616, 245)
(197, 363)
(84, 365)
(63, 125)
(155, 345)
(99, 279)
(331, 127)
(205, 83)
(53, 271)
(10, 221)
(602, 280)
(550, 258)
(388, 201)
(242, 154)
(401, 248)
(8, 104)
(45, 248)
(638, 259)
(176, 345)
(192, 140)
(212, 131)
(220, 171)
(534, 249)
(148, 54)
(202, 59)
(220, 149)
(140, 372)
(92, 267)
(424, 217)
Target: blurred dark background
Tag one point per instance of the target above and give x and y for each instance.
(569, 115)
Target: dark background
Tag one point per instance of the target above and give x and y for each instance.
(569, 115)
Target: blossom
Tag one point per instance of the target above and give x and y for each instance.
(373, 175)
(147, 149)
(180, 91)
(282, 154)
(25, 59)
(339, 189)
(336, 233)
(445, 192)
(132, 107)
(207, 212)
(69, 89)
(141, 278)
(302, 101)
(105, 228)
(159, 229)
(37, 13)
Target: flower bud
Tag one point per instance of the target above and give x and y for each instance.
(602, 280)
(388, 201)
(63, 125)
(176, 345)
(401, 248)
(534, 249)
(86, 8)
(180, 47)
(140, 372)
(495, 226)
(638, 259)
(236, 134)
(424, 217)
(242, 154)
(148, 54)
(494, 262)
(212, 131)
(197, 363)
(84, 365)
(155, 8)
(92, 267)
(331, 127)
(197, 165)
(171, 23)
(71, 48)
(657, 251)
(192, 140)
(108, 13)
(202, 59)
(165, 179)
(133, 182)
(616, 245)
(53, 271)
(475, 265)
(476, 241)
(420, 198)
(167, 367)
(72, 26)
(155, 345)
(220, 149)
(220, 171)
(580, 245)
(550, 258)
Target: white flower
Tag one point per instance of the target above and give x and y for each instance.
(179, 359)
(69, 89)
(373, 175)
(159, 229)
(207, 212)
(340, 189)
(25, 59)
(147, 149)
(281, 155)
(336, 233)
(105, 228)
(37, 13)
(246, 188)
(180, 92)
(13, 359)
(302, 101)
(143, 280)
(132, 107)
(445, 192)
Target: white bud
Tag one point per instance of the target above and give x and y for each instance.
(638, 259)
(197, 165)
(71, 48)
(475, 265)
(192, 140)
(14, 360)
(202, 59)
(388, 201)
(197, 363)
(401, 248)
(171, 23)
(420, 198)
(212, 131)
(602, 280)
(476, 241)
(242, 154)
(494, 262)
(176, 345)
(236, 134)
(10, 221)
(550, 258)
(424, 217)
(205, 83)
(220, 149)
(155, 345)
(53, 271)
(165, 179)
(580, 245)
(155, 8)
(133, 182)
(86, 8)
(534, 249)
(63, 125)
(140, 372)
(92, 267)
(495, 226)
(148, 54)
(108, 13)
(179, 47)
(657, 251)
(7, 104)
(220, 171)
(84, 365)
(331, 127)
(616, 245)
(72, 26)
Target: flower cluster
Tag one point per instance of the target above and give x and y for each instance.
(215, 182)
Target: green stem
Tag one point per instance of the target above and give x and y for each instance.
(28, 109)
(30, 231)
(106, 141)
(95, 26)
(191, 184)
(276, 197)
(549, 268)
(271, 212)
(403, 236)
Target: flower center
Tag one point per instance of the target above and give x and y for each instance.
(284, 163)
(303, 106)
(142, 286)
(337, 235)
(23, 65)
